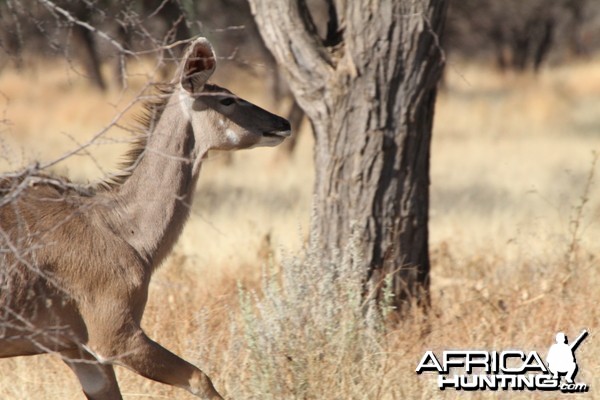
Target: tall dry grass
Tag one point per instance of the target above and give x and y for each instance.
(514, 222)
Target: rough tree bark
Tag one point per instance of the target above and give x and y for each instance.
(369, 89)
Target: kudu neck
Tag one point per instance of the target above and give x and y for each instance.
(154, 202)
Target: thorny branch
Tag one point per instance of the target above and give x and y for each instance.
(86, 25)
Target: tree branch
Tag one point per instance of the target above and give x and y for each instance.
(297, 49)
(53, 7)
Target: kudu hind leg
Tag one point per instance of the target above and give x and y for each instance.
(97, 380)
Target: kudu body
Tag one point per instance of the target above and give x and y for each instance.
(75, 264)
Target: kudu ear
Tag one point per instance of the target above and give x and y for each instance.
(199, 64)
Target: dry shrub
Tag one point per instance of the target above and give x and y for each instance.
(309, 334)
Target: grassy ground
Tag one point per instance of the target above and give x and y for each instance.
(514, 222)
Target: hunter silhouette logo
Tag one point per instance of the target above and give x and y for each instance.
(508, 369)
(561, 356)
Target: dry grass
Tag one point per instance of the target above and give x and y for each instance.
(510, 165)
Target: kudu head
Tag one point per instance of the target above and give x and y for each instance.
(220, 119)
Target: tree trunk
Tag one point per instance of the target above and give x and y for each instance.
(369, 89)
(88, 55)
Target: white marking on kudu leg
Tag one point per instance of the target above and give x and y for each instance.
(100, 358)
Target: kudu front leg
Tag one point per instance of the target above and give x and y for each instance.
(151, 360)
(97, 380)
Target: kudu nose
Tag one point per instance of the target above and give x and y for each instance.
(280, 128)
(283, 128)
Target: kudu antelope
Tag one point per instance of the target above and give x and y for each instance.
(76, 262)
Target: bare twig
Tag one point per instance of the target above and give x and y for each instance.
(575, 224)
(50, 5)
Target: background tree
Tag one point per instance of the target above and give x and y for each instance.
(368, 86)
(522, 35)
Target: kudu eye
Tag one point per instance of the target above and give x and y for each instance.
(227, 101)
